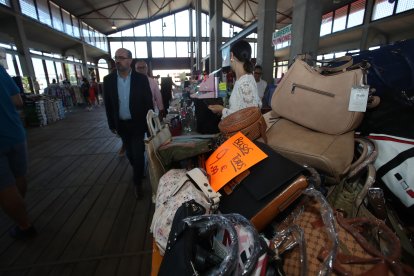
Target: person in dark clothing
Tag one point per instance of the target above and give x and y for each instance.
(85, 92)
(128, 97)
(13, 158)
(166, 91)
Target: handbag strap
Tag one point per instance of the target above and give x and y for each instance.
(201, 180)
(153, 122)
(353, 225)
(347, 59)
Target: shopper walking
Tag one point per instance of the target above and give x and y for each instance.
(244, 92)
(128, 97)
(260, 83)
(142, 67)
(93, 93)
(13, 158)
(85, 93)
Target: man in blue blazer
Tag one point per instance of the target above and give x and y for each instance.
(128, 98)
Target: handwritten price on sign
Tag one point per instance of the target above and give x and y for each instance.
(233, 157)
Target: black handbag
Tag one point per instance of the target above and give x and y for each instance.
(207, 121)
(270, 186)
(190, 248)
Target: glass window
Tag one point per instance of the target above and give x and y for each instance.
(194, 22)
(339, 23)
(102, 68)
(44, 14)
(140, 30)
(56, 18)
(282, 67)
(51, 72)
(75, 22)
(129, 45)
(59, 71)
(40, 73)
(405, 5)
(128, 32)
(168, 26)
(7, 46)
(156, 28)
(182, 49)
(205, 25)
(253, 49)
(326, 25)
(182, 24)
(169, 49)
(70, 71)
(98, 40)
(10, 66)
(28, 8)
(356, 13)
(85, 32)
(5, 2)
(141, 49)
(205, 49)
(237, 30)
(226, 30)
(382, 8)
(252, 35)
(117, 34)
(67, 23)
(157, 49)
(115, 45)
(339, 54)
(19, 67)
(105, 44)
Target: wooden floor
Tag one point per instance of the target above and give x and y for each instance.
(81, 201)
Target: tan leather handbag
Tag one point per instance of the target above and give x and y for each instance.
(315, 101)
(248, 121)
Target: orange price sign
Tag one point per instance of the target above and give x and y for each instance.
(233, 157)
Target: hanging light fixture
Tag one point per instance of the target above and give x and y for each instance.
(113, 26)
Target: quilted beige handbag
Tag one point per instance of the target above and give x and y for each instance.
(176, 187)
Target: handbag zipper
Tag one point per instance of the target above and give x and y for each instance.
(294, 85)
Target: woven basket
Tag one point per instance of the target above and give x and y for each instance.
(248, 121)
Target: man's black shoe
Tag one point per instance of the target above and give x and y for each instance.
(139, 192)
(19, 234)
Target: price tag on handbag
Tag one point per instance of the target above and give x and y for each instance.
(359, 98)
(232, 158)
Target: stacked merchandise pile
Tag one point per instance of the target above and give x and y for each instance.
(41, 112)
(60, 109)
(51, 111)
(63, 92)
(77, 95)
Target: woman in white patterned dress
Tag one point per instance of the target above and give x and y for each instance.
(244, 93)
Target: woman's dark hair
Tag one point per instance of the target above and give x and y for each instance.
(243, 52)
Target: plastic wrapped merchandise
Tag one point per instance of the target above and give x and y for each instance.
(328, 219)
(238, 228)
(292, 231)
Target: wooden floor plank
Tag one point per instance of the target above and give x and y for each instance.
(100, 236)
(77, 244)
(81, 201)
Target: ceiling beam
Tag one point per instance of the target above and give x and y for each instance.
(102, 8)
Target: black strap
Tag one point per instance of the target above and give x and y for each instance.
(395, 162)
